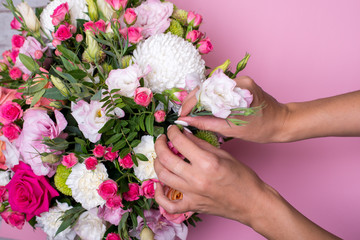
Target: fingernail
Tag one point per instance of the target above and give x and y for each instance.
(155, 184)
(188, 130)
(168, 127)
(179, 112)
(182, 123)
(158, 136)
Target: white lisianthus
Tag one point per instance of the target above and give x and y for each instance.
(10, 152)
(174, 63)
(89, 226)
(127, 80)
(29, 17)
(90, 117)
(219, 95)
(105, 8)
(84, 184)
(50, 222)
(4, 178)
(145, 170)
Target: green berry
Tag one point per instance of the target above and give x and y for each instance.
(176, 28)
(62, 174)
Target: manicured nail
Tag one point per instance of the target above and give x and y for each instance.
(168, 127)
(158, 136)
(179, 112)
(182, 123)
(188, 130)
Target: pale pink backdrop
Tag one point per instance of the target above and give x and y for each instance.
(300, 50)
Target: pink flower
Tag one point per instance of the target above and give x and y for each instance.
(113, 236)
(69, 160)
(194, 19)
(160, 116)
(133, 193)
(16, 219)
(13, 55)
(143, 96)
(181, 96)
(109, 155)
(8, 95)
(56, 42)
(58, 53)
(126, 162)
(38, 54)
(17, 41)
(79, 37)
(130, 17)
(15, 24)
(28, 193)
(100, 25)
(59, 14)
(95, 27)
(174, 150)
(72, 28)
(63, 33)
(25, 77)
(134, 34)
(10, 112)
(108, 189)
(99, 151)
(91, 163)
(194, 36)
(205, 46)
(6, 55)
(114, 202)
(113, 216)
(4, 194)
(147, 188)
(117, 5)
(15, 73)
(11, 131)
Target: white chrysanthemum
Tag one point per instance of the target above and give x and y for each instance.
(89, 226)
(4, 178)
(84, 184)
(172, 60)
(145, 170)
(50, 222)
(77, 9)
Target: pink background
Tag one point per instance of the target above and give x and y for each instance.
(300, 50)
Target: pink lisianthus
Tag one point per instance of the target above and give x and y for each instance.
(99, 151)
(134, 34)
(205, 46)
(114, 202)
(69, 160)
(28, 193)
(130, 17)
(117, 5)
(148, 188)
(60, 13)
(17, 41)
(91, 163)
(143, 96)
(133, 193)
(160, 116)
(194, 19)
(194, 36)
(108, 189)
(10, 112)
(15, 73)
(113, 216)
(63, 33)
(15, 24)
(113, 236)
(11, 131)
(109, 155)
(126, 162)
(9, 154)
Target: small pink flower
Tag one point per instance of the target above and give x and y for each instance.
(117, 5)
(91, 163)
(15, 73)
(126, 162)
(205, 46)
(147, 188)
(90, 26)
(109, 155)
(194, 19)
(72, 28)
(16, 219)
(99, 151)
(17, 41)
(38, 54)
(133, 193)
(100, 25)
(58, 53)
(56, 42)
(4, 194)
(25, 77)
(174, 150)
(134, 34)
(59, 69)
(7, 55)
(130, 17)
(79, 37)
(108, 189)
(5, 215)
(114, 202)
(69, 160)
(14, 54)
(11, 131)
(59, 14)
(63, 33)
(194, 36)
(15, 24)
(10, 112)
(160, 116)
(143, 96)
(181, 96)
(113, 236)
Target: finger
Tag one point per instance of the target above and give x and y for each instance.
(189, 103)
(169, 178)
(172, 162)
(171, 207)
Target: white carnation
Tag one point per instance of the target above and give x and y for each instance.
(50, 222)
(172, 61)
(89, 226)
(84, 184)
(10, 152)
(145, 170)
(4, 178)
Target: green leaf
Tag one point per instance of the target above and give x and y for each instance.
(32, 222)
(134, 159)
(141, 122)
(54, 93)
(124, 152)
(158, 131)
(97, 96)
(68, 66)
(108, 125)
(78, 74)
(149, 124)
(131, 136)
(28, 62)
(68, 54)
(142, 157)
(135, 143)
(122, 223)
(114, 138)
(133, 220)
(37, 97)
(82, 144)
(126, 130)
(119, 145)
(37, 86)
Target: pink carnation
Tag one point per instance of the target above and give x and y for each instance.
(15, 73)
(133, 193)
(11, 131)
(126, 162)
(16, 219)
(69, 160)
(10, 112)
(114, 202)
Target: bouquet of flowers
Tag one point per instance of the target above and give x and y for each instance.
(85, 90)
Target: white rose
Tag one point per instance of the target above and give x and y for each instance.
(219, 95)
(29, 16)
(90, 117)
(4, 178)
(145, 170)
(127, 80)
(105, 8)
(89, 226)
(10, 152)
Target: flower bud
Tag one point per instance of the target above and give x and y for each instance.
(59, 85)
(180, 15)
(38, 54)
(117, 5)
(130, 17)
(56, 42)
(205, 46)
(146, 234)
(50, 158)
(79, 37)
(3, 67)
(7, 56)
(15, 24)
(28, 14)
(223, 67)
(194, 20)
(93, 52)
(93, 11)
(194, 36)
(176, 28)
(160, 116)
(56, 104)
(125, 61)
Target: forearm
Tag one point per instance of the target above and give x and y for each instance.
(333, 116)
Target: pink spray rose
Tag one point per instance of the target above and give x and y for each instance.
(194, 36)
(126, 162)
(114, 202)
(28, 193)
(147, 188)
(194, 19)
(63, 33)
(91, 163)
(181, 96)
(4, 194)
(55, 43)
(109, 155)
(14, 219)
(15, 73)
(17, 41)
(11, 131)
(10, 112)
(38, 54)
(117, 5)
(160, 116)
(100, 25)
(79, 37)
(133, 193)
(113, 236)
(113, 216)
(69, 160)
(99, 151)
(60, 13)
(134, 34)
(205, 46)
(15, 24)
(143, 96)
(130, 17)
(14, 55)
(108, 189)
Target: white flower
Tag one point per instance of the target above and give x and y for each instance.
(127, 80)
(29, 16)
(105, 8)
(84, 184)
(4, 178)
(172, 61)
(219, 95)
(90, 117)
(77, 9)
(10, 152)
(89, 226)
(50, 222)
(145, 170)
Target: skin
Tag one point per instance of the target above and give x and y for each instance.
(212, 171)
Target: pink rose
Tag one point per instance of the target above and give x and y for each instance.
(108, 189)
(113, 236)
(15, 73)
(205, 46)
(114, 202)
(133, 193)
(126, 162)
(109, 155)
(28, 193)
(95, 27)
(117, 5)
(113, 216)
(15, 24)
(134, 34)
(11, 131)
(69, 160)
(100, 25)
(5, 215)
(194, 19)
(55, 42)
(63, 33)
(16, 219)
(10, 112)
(181, 96)
(130, 17)
(4, 194)
(13, 55)
(194, 36)
(143, 96)
(91, 163)
(147, 188)
(59, 14)
(8, 95)
(17, 41)
(160, 116)
(99, 151)
(38, 54)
